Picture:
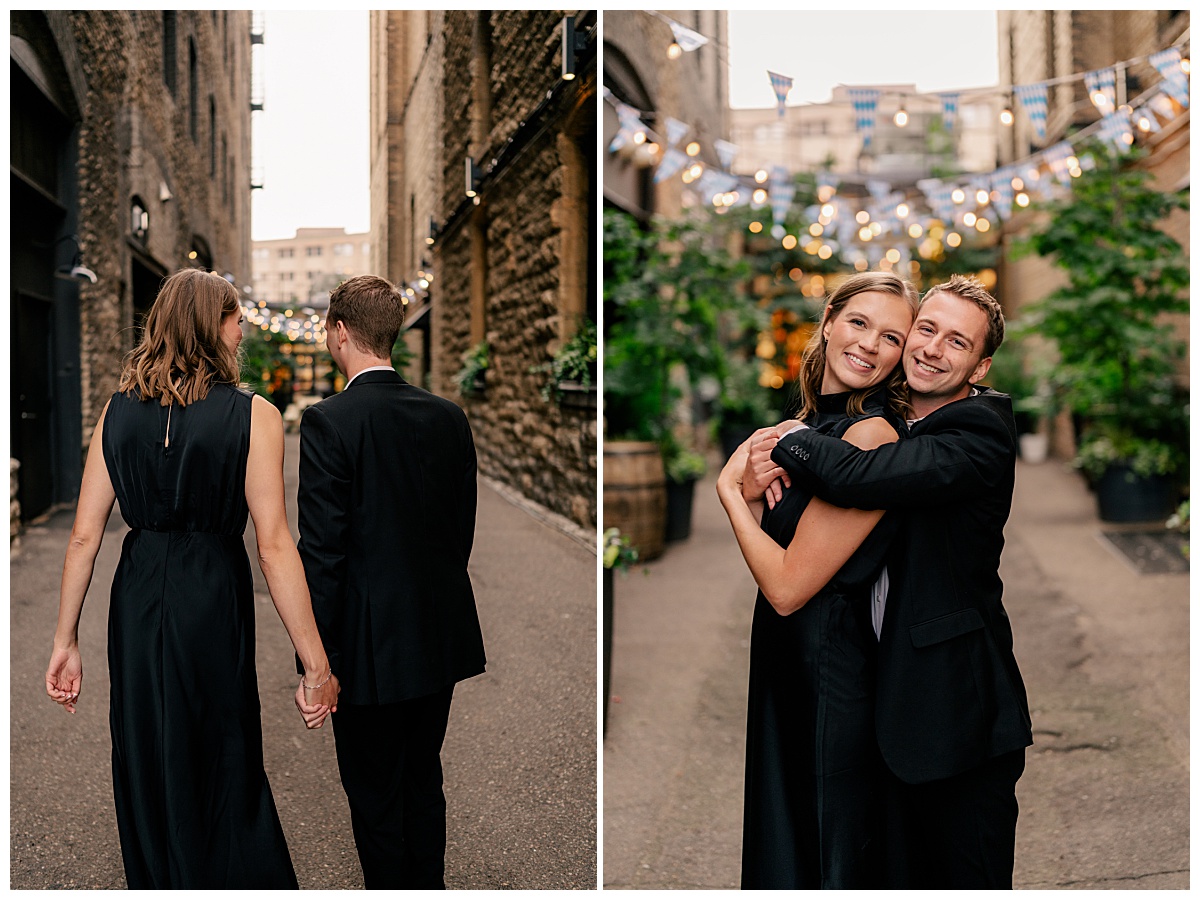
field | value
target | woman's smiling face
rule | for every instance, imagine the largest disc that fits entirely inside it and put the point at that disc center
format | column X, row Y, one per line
column 864, row 342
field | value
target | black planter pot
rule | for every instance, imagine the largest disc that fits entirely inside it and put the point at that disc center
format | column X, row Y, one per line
column 608, row 617
column 1125, row 496
column 679, row 509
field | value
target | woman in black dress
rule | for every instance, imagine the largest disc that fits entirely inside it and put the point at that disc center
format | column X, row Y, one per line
column 811, row 810
column 189, row 455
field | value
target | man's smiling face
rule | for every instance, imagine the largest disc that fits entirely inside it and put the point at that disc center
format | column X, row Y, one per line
column 944, row 353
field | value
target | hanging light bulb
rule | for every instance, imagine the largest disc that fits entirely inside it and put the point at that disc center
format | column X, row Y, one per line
column 1185, row 66
column 901, row 117
column 1006, row 117
column 693, row 149
column 958, row 196
column 674, row 51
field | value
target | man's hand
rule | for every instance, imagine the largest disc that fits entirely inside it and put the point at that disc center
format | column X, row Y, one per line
column 316, row 704
column 761, row 477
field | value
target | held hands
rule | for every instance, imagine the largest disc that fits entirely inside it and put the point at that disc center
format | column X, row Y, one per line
column 761, row 477
column 317, row 702
column 64, row 676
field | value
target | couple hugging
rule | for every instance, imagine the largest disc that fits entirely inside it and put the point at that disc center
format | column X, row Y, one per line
column 377, row 600
column 887, row 719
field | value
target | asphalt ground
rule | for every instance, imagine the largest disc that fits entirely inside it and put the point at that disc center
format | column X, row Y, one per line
column 1105, row 656
column 520, row 751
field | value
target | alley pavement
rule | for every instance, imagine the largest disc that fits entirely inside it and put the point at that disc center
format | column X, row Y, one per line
column 520, row 751
column 1104, row 652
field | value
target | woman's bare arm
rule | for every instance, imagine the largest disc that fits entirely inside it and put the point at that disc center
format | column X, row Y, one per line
column 64, row 675
column 826, row 536
column 279, row 560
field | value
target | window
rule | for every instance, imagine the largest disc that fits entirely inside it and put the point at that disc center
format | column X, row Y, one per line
column 366, row 248
column 287, row 276
column 287, row 252
column 168, row 50
column 139, row 219
column 313, row 251
column 343, row 249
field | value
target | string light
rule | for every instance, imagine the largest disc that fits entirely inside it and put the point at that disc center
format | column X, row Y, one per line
column 1006, row 117
column 901, row 117
column 760, row 176
column 958, row 196
column 693, row 149
column 674, row 51
column 981, row 196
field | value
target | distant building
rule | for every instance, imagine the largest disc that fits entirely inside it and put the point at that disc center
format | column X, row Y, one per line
column 130, row 159
column 823, row 135
column 483, row 169
column 300, row 271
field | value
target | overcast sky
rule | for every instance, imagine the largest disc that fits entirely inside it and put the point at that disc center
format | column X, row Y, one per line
column 933, row 50
column 311, row 139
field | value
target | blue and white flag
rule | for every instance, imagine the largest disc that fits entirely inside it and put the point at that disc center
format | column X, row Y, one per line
column 781, row 84
column 1102, row 89
column 726, row 152
column 1032, row 98
column 949, row 109
column 1114, row 128
column 676, row 131
column 629, row 124
column 1175, row 81
column 1003, row 189
column 865, row 101
column 673, row 160
column 1056, row 157
column 687, row 39
column 783, row 190
column 1161, row 104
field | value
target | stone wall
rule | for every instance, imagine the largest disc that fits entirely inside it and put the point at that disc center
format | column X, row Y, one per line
column 508, row 268
column 135, row 138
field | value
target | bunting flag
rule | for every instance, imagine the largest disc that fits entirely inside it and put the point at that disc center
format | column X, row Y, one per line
column 1056, row 157
column 949, row 109
column 865, row 101
column 1145, row 119
column 687, row 39
column 630, row 123
column 1175, row 81
column 1032, row 98
column 676, row 131
column 726, row 151
column 1116, row 129
column 1003, row 189
column 1161, row 104
column 783, row 189
column 1102, row 89
column 781, row 84
column 877, row 188
column 673, row 160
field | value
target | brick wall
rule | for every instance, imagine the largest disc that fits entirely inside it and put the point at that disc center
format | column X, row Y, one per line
column 514, row 253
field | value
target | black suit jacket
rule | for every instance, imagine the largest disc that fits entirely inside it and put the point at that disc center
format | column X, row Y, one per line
column 950, row 695
column 387, row 518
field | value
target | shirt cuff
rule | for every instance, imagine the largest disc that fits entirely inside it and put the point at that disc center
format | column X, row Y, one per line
column 795, row 429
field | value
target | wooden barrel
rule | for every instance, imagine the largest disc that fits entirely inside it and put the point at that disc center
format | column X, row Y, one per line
column 635, row 494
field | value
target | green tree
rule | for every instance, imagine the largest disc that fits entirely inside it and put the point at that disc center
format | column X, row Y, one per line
column 1117, row 349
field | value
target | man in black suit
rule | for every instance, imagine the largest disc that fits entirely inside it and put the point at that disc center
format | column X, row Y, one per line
column 952, row 719
column 387, row 518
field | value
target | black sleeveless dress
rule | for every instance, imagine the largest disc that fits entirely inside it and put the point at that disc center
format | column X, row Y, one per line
column 194, row 809
column 812, row 807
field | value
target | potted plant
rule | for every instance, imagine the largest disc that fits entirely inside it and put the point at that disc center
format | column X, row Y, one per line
column 619, row 555
column 684, row 468
column 471, row 377
column 572, row 371
column 1117, row 349
column 665, row 291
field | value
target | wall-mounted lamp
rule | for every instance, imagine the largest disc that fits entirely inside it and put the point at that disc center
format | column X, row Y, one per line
column 572, row 42
column 76, row 271
column 472, row 177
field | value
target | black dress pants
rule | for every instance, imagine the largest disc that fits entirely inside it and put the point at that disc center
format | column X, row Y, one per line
column 390, row 761
column 957, row 832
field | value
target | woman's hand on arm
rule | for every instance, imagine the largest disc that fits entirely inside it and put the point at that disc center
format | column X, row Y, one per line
column 64, row 675
column 826, row 537
column 277, row 554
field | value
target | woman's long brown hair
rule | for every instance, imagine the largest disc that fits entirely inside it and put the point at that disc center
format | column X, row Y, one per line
column 812, row 368
column 181, row 354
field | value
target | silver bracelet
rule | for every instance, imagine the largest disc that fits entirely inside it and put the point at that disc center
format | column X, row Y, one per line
column 313, row 687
